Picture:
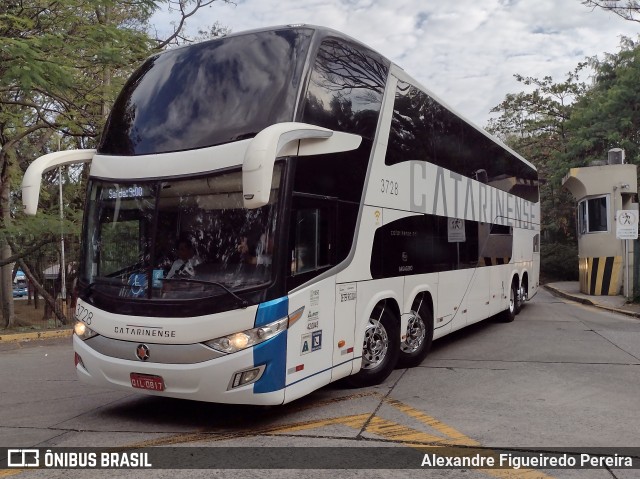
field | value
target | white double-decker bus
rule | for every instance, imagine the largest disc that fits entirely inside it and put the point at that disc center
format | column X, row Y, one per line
column 274, row 210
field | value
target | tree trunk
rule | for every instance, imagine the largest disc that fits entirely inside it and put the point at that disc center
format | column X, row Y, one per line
column 43, row 292
column 6, row 286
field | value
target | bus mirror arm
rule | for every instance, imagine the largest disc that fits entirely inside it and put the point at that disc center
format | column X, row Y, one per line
column 285, row 139
column 33, row 176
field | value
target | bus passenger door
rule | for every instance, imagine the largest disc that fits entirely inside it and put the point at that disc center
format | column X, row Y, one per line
column 311, row 252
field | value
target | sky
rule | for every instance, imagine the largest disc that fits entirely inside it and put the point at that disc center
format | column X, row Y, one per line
column 464, row 51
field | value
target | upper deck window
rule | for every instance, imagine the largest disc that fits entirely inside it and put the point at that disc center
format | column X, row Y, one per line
column 424, row 130
column 346, row 88
column 208, row 94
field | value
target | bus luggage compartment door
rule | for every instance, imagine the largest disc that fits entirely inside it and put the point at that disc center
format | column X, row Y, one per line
column 344, row 334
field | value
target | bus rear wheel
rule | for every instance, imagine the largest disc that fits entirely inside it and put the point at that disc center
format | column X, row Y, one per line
column 417, row 344
column 380, row 348
column 509, row 314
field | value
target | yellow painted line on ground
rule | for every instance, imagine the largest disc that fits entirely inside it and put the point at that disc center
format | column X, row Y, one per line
column 356, row 422
column 398, row 432
column 11, row 472
column 452, row 435
column 449, row 442
column 16, row 337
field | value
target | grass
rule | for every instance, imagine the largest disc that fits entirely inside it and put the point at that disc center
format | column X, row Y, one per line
column 28, row 318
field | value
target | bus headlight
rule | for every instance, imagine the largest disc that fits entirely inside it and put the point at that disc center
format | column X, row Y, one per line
column 83, row 331
column 238, row 341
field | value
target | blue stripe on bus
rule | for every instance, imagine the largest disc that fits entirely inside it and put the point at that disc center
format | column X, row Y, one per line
column 272, row 311
column 273, row 352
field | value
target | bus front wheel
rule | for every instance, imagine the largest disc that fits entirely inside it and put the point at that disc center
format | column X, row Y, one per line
column 381, row 347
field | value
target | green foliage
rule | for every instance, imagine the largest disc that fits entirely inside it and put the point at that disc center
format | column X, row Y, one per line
column 535, row 125
column 608, row 115
column 563, row 125
column 559, row 262
column 62, row 64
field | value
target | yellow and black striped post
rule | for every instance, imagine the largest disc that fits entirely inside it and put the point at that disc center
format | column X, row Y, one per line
column 600, row 276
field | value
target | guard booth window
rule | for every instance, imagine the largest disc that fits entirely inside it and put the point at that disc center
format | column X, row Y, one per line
column 593, row 216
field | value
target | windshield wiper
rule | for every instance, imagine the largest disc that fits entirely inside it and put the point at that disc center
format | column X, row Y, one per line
column 243, row 302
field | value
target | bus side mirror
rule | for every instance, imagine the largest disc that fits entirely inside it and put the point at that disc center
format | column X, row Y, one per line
column 286, row 139
column 33, row 175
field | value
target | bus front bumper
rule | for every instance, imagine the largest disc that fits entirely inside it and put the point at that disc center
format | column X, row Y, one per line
column 209, row 381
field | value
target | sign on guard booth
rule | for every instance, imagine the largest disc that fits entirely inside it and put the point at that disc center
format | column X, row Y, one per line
column 627, row 224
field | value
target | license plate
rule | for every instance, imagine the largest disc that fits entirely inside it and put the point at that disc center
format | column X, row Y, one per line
column 147, row 381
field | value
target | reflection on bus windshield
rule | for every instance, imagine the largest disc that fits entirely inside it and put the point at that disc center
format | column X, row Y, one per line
column 177, row 239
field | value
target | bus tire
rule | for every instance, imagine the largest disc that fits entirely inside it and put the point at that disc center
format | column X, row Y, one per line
column 509, row 314
column 524, row 293
column 380, row 350
column 416, row 346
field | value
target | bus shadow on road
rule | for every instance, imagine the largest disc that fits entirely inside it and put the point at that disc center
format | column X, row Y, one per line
column 486, row 327
column 188, row 415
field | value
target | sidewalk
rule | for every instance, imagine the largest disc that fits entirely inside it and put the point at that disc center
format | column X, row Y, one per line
column 571, row 290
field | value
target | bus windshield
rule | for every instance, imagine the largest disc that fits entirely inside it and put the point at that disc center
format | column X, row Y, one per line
column 177, row 239
column 208, row 94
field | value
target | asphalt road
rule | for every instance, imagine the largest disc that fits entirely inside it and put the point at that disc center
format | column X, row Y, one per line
column 562, row 375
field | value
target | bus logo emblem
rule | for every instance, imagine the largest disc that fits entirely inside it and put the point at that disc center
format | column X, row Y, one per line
column 142, row 352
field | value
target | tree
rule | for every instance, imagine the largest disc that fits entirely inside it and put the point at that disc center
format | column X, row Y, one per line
column 61, row 64
column 560, row 126
column 535, row 124
column 629, row 9
column 608, row 114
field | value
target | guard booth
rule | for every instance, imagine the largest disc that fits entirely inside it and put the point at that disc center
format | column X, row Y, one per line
column 607, row 217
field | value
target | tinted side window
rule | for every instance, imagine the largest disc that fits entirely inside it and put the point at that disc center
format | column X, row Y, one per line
column 424, row 130
column 340, row 176
column 424, row 244
column 346, row 88
column 312, row 233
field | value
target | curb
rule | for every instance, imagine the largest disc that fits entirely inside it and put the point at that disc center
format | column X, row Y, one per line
column 588, row 302
column 20, row 337
column 577, row 299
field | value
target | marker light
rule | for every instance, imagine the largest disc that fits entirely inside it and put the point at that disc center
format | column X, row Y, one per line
column 83, row 331
column 244, row 339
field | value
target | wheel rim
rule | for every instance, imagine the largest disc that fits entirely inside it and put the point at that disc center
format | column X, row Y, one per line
column 376, row 344
column 512, row 300
column 416, row 332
